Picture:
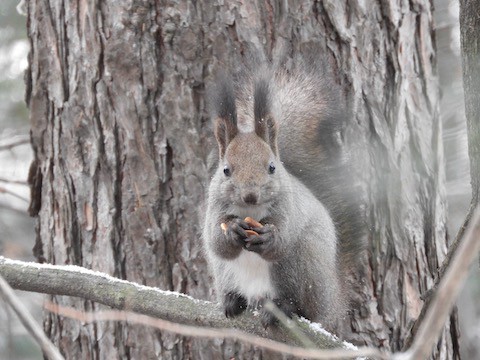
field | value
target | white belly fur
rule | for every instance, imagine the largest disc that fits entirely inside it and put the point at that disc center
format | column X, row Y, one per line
column 251, row 276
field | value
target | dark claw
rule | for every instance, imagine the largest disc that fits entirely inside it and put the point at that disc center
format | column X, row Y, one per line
column 264, row 229
column 259, row 243
column 254, row 243
column 262, row 243
column 236, row 231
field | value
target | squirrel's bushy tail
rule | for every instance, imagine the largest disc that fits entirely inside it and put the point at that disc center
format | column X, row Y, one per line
column 312, row 115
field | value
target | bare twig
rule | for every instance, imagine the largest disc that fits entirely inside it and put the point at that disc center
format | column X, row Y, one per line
column 428, row 297
column 451, row 284
column 12, row 193
column 211, row 333
column 16, row 182
column 28, row 321
column 20, row 140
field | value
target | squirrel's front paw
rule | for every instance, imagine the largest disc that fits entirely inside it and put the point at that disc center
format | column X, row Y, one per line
column 236, row 231
column 263, row 243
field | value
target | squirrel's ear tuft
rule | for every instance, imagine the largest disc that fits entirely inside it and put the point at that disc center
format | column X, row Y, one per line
column 224, row 112
column 265, row 125
column 225, row 131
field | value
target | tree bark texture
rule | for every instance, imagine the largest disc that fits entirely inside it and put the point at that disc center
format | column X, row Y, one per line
column 121, row 136
column 470, row 40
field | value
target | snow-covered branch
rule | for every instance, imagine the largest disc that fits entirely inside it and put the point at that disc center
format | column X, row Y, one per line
column 171, row 306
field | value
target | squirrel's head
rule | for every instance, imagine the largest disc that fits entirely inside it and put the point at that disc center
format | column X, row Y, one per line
column 248, row 162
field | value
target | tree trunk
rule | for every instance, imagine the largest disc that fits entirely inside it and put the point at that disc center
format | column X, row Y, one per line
column 470, row 39
column 121, row 140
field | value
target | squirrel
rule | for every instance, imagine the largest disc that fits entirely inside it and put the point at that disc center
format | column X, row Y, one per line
column 280, row 163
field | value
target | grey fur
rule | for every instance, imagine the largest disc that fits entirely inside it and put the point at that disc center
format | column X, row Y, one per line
column 293, row 106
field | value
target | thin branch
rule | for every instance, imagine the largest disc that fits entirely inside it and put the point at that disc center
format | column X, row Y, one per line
column 442, row 303
column 16, row 182
column 28, row 321
column 12, row 193
column 454, row 246
column 211, row 333
column 429, row 295
column 21, row 140
column 124, row 295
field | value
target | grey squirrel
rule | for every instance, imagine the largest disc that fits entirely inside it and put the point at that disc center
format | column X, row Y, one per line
column 279, row 162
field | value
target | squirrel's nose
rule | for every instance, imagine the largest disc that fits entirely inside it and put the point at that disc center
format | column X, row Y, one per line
column 250, row 198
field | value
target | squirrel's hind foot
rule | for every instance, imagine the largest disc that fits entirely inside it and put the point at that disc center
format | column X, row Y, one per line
column 234, row 304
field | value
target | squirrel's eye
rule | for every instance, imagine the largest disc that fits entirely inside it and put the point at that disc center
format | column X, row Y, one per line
column 271, row 168
column 227, row 171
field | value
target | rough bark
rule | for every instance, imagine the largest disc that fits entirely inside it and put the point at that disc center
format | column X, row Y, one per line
column 121, row 139
column 470, row 40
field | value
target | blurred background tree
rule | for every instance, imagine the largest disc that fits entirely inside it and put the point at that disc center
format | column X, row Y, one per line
column 17, row 233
